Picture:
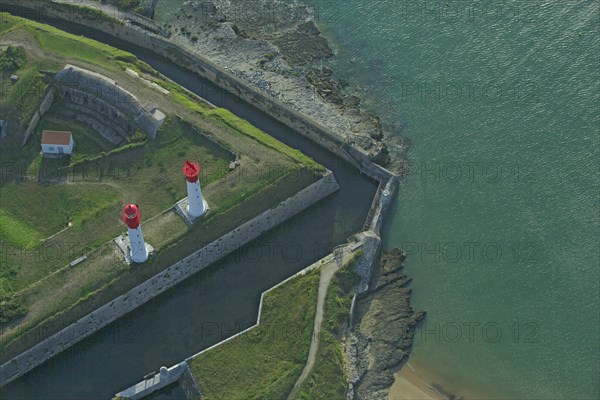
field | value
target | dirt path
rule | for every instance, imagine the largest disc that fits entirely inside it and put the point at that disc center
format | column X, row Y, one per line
column 327, row 272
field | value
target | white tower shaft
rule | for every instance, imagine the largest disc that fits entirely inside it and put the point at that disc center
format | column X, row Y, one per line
column 139, row 253
column 196, row 205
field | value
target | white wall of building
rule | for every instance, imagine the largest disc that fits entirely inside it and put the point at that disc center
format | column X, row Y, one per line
column 56, row 148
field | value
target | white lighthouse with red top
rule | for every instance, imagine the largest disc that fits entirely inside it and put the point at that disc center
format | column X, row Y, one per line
column 131, row 217
column 197, row 206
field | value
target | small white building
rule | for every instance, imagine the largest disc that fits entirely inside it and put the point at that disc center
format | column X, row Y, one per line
column 57, row 143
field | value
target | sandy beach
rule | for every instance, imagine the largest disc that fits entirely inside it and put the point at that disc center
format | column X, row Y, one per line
column 408, row 385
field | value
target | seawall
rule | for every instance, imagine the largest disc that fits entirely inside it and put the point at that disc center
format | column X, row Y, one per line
column 166, row 279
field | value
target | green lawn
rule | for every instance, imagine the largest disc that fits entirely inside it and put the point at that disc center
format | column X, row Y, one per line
column 25, row 95
column 7, row 21
column 48, row 208
column 93, row 192
column 265, row 362
column 16, row 232
column 250, row 130
column 76, row 47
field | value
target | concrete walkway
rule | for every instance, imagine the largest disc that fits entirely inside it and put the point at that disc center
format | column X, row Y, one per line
column 342, row 256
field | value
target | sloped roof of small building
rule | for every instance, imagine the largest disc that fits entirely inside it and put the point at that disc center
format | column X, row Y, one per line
column 56, row 137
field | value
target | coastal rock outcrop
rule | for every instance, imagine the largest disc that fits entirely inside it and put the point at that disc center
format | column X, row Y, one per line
column 382, row 336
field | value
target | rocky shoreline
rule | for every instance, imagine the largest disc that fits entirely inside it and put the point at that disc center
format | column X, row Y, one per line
column 278, row 48
column 380, row 341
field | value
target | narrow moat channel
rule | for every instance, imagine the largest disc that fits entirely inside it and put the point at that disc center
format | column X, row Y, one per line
column 215, row 303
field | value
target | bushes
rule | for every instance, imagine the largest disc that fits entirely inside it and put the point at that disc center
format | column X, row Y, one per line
column 10, row 309
column 13, row 58
column 127, row 57
column 137, row 137
column 28, row 94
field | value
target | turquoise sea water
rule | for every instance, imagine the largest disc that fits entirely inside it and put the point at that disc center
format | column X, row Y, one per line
column 500, row 213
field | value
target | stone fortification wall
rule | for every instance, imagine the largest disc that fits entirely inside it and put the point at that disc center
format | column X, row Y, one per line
column 41, row 110
column 176, row 273
column 381, row 204
column 100, row 95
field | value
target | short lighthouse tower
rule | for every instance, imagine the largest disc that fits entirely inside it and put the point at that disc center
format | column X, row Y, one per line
column 197, row 206
column 131, row 217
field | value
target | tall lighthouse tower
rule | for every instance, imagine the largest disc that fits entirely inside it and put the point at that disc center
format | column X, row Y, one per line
column 197, row 205
column 131, row 217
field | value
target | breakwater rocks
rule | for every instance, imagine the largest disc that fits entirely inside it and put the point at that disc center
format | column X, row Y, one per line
column 384, row 323
column 166, row 279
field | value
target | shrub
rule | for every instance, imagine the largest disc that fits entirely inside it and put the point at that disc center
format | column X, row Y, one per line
column 10, row 309
column 127, row 57
column 137, row 137
column 13, row 58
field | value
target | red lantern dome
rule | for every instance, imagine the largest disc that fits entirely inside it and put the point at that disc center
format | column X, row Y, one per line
column 191, row 170
column 132, row 215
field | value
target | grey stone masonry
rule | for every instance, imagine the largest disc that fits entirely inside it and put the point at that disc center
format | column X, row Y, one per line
column 103, row 96
column 123, row 244
column 166, row 279
column 43, row 107
column 164, row 378
column 179, row 373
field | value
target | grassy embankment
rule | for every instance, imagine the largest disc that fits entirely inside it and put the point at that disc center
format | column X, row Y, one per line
column 33, row 274
column 327, row 380
column 264, row 363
